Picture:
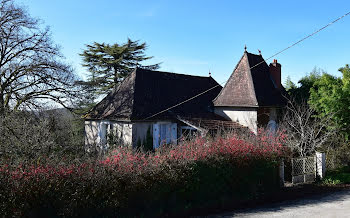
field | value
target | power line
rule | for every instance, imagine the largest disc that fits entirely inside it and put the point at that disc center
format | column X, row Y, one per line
column 281, row 51
column 189, row 99
column 306, row 37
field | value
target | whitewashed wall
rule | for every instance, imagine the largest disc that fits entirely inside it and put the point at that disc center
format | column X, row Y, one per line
column 91, row 133
column 139, row 131
column 124, row 132
column 245, row 116
column 95, row 135
column 128, row 133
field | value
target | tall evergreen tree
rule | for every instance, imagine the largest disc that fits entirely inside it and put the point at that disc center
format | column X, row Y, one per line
column 109, row 64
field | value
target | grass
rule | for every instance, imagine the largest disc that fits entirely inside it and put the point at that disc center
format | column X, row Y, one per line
column 337, row 176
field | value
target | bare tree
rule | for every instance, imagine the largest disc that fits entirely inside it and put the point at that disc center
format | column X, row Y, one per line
column 31, row 67
column 305, row 131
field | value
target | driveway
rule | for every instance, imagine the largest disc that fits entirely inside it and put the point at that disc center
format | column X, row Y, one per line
column 335, row 204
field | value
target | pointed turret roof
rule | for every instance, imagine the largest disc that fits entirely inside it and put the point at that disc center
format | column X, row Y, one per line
column 250, row 85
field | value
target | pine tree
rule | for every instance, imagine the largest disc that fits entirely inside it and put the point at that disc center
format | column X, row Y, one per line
column 109, row 64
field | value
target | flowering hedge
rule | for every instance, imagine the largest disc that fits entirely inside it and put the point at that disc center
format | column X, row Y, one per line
column 194, row 174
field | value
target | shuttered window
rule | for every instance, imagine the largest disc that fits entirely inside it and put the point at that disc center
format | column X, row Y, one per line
column 164, row 133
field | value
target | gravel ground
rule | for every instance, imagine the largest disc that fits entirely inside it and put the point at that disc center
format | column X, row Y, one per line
column 336, row 204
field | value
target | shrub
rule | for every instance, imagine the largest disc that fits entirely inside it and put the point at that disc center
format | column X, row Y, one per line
column 337, row 176
column 33, row 136
column 194, row 174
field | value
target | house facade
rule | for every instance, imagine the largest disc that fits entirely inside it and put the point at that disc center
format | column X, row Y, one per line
column 158, row 102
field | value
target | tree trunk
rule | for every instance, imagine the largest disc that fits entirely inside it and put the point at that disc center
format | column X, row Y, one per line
column 2, row 105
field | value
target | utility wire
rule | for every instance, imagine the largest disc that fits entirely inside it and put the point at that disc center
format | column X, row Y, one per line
column 306, row 37
column 281, row 51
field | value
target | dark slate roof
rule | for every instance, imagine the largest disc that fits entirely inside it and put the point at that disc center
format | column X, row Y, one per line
column 118, row 103
column 250, row 85
column 146, row 92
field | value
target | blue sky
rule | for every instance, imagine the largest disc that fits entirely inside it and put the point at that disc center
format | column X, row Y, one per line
column 193, row 37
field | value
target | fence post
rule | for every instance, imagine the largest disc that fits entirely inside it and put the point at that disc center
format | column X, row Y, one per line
column 315, row 167
column 321, row 164
column 281, row 170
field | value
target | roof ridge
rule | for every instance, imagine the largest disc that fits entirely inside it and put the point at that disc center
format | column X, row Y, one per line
column 244, row 66
column 233, row 72
column 253, row 54
column 134, row 90
column 182, row 74
column 251, row 79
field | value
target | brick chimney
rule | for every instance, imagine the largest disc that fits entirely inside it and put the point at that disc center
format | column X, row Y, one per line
column 275, row 71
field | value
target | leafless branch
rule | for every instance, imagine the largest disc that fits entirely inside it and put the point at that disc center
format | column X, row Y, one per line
column 31, row 66
column 305, row 130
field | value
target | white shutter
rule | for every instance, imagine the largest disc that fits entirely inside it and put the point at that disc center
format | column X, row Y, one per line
column 156, row 135
column 162, row 134
column 168, row 133
column 103, row 133
column 173, row 130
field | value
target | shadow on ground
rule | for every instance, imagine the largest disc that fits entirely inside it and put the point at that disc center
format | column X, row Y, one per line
column 288, row 197
column 308, row 200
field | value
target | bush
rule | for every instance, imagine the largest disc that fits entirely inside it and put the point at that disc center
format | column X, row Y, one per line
column 34, row 136
column 24, row 135
column 337, row 176
column 194, row 174
column 337, row 153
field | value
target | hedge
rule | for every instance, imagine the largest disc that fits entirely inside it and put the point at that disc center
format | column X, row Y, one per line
column 170, row 181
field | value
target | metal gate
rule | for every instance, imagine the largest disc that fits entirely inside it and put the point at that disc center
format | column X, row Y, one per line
column 303, row 169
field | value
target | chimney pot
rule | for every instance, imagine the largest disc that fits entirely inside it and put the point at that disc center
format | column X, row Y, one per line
column 275, row 71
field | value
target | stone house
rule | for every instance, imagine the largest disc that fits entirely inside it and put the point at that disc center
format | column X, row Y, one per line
column 159, row 102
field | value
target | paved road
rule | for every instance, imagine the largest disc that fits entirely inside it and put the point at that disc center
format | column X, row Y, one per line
column 335, row 204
